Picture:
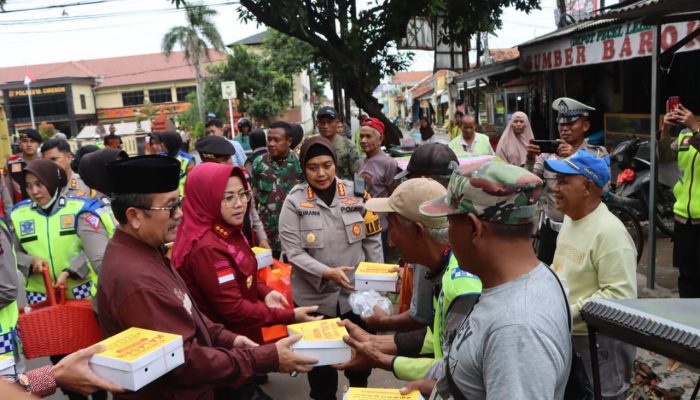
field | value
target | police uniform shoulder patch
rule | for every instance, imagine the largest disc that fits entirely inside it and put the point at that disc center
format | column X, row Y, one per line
column 310, row 193
column 27, row 227
column 93, row 221
column 73, row 184
column 67, row 221
column 341, row 189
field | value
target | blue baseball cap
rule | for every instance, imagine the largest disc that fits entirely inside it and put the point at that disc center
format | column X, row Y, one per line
column 583, row 163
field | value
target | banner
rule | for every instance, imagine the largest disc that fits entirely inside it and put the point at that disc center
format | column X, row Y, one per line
column 614, row 43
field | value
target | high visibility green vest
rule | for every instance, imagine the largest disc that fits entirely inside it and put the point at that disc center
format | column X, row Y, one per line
column 103, row 210
column 687, row 189
column 9, row 313
column 455, row 284
column 185, row 160
column 53, row 238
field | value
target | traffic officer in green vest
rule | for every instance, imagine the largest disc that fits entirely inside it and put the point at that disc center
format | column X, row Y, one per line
column 423, row 240
column 9, row 290
column 46, row 228
column 470, row 140
column 686, row 235
column 93, row 170
column 171, row 143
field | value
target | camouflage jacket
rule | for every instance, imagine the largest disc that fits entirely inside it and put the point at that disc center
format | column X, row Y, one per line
column 348, row 160
column 272, row 180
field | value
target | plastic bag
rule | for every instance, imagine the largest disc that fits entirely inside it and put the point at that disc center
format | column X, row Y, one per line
column 363, row 303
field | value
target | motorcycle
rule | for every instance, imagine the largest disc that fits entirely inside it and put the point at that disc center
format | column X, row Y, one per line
column 631, row 158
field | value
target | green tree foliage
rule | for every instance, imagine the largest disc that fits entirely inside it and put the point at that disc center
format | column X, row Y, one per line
column 359, row 45
column 292, row 56
column 263, row 90
column 195, row 39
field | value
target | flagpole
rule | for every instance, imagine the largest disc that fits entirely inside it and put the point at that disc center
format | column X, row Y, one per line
column 31, row 107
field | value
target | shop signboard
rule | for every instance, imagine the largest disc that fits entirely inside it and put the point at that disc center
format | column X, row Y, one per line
column 614, row 43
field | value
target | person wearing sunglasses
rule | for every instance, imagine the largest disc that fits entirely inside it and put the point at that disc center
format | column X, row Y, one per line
column 214, row 259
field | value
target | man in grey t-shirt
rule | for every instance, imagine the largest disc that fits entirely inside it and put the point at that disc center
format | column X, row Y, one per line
column 516, row 342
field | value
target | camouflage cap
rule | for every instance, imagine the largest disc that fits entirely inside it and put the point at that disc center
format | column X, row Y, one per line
column 491, row 189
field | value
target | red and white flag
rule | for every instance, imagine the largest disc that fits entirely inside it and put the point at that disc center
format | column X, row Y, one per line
column 28, row 77
column 225, row 275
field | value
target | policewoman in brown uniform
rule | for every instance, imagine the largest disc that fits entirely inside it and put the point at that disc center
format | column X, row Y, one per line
column 325, row 233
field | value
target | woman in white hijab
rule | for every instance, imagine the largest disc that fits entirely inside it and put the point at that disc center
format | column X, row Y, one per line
column 512, row 147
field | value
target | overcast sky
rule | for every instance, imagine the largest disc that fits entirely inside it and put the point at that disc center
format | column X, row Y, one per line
column 128, row 27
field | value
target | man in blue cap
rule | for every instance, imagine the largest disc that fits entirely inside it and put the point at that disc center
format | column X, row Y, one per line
column 595, row 258
column 573, row 125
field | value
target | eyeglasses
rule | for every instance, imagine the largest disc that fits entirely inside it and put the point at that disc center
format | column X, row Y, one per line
column 171, row 209
column 231, row 199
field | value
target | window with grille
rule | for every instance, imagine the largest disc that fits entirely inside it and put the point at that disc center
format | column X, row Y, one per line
column 160, row 95
column 132, row 98
column 182, row 92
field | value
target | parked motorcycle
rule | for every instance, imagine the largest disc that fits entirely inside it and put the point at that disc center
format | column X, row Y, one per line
column 631, row 158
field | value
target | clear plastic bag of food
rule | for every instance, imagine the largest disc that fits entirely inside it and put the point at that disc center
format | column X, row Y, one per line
column 363, row 303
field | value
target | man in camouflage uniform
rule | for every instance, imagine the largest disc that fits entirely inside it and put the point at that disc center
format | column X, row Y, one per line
column 348, row 159
column 274, row 175
column 521, row 319
column 573, row 126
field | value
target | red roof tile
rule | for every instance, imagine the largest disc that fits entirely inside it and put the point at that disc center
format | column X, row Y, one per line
column 116, row 71
column 409, row 76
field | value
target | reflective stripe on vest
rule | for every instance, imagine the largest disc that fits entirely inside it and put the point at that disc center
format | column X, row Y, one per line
column 455, row 284
column 687, row 189
column 53, row 238
column 185, row 160
column 9, row 313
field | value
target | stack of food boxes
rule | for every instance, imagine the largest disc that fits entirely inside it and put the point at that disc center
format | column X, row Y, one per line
column 322, row 340
column 7, row 364
column 380, row 394
column 264, row 256
column 137, row 357
column 380, row 277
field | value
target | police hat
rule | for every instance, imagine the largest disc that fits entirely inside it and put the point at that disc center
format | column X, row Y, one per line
column 144, row 174
column 30, row 133
column 327, row 112
column 211, row 147
column 570, row 110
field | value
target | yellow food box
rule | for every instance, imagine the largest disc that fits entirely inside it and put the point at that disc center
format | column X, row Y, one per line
column 377, row 276
column 380, row 394
column 263, row 255
column 7, row 364
column 137, row 357
column 322, row 340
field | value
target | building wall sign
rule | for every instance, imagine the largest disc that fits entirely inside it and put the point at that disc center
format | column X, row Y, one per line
column 614, row 43
column 36, row 92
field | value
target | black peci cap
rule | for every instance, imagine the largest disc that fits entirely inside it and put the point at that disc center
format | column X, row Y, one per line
column 431, row 159
column 144, row 174
column 210, row 147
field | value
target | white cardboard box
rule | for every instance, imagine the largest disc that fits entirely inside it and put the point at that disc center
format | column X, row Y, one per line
column 7, row 364
column 379, row 394
column 263, row 255
column 137, row 357
column 376, row 276
column 322, row 340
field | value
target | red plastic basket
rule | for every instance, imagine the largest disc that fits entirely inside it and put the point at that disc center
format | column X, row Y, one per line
column 55, row 327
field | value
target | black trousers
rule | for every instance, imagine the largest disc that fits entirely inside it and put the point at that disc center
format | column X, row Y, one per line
column 99, row 395
column 323, row 381
column 547, row 244
column 686, row 257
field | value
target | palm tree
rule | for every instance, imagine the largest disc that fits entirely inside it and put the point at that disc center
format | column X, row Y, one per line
column 195, row 39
